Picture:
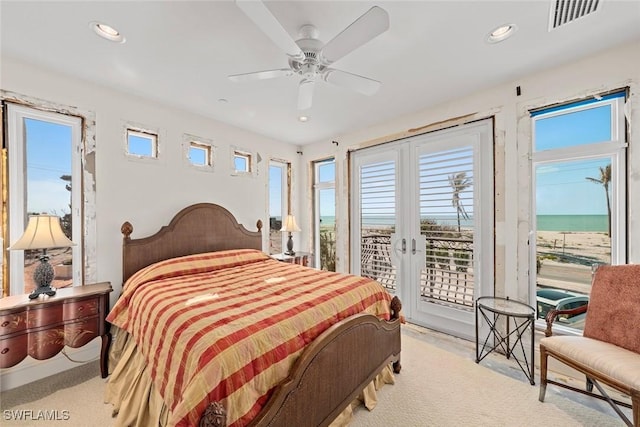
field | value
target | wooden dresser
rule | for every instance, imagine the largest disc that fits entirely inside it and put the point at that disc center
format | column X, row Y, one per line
column 42, row 327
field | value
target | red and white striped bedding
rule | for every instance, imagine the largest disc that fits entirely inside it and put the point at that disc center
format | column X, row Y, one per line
column 227, row 326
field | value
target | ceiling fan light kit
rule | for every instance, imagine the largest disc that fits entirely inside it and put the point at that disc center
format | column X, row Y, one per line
column 309, row 58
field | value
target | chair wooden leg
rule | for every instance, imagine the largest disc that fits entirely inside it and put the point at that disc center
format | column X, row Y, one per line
column 543, row 373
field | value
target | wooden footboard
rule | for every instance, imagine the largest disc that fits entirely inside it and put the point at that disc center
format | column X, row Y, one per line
column 330, row 373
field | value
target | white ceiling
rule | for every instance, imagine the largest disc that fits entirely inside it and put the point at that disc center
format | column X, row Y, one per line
column 181, row 52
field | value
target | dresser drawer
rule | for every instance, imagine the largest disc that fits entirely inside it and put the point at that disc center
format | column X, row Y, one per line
column 77, row 334
column 44, row 315
column 13, row 350
column 46, row 343
column 10, row 323
column 81, row 308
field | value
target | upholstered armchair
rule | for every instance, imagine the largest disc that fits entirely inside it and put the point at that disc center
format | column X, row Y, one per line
column 608, row 352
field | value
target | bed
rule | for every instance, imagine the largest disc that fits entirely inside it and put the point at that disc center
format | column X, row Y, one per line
column 213, row 332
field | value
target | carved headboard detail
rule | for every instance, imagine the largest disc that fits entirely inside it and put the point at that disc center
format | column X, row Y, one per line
column 203, row 227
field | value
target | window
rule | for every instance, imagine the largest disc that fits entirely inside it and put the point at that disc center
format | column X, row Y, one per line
column 278, row 202
column 242, row 162
column 579, row 175
column 198, row 152
column 142, row 144
column 44, row 163
column 325, row 214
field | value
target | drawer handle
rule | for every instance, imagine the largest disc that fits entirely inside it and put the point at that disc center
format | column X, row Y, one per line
column 80, row 308
column 4, row 351
column 5, row 323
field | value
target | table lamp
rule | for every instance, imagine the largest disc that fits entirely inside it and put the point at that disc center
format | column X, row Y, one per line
column 290, row 226
column 43, row 232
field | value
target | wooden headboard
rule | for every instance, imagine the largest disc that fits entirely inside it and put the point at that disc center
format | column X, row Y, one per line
column 203, row 227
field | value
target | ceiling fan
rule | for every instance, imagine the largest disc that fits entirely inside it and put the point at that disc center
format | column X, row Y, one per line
column 309, row 58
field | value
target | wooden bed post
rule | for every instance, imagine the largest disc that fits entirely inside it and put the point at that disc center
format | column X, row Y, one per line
column 214, row 416
column 396, row 307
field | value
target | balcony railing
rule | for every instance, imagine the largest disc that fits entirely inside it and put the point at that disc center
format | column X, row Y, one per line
column 447, row 279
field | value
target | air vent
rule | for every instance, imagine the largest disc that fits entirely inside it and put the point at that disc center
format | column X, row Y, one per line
column 566, row 11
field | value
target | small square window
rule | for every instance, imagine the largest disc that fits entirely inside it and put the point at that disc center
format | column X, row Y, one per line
column 200, row 154
column 142, row 144
column 242, row 162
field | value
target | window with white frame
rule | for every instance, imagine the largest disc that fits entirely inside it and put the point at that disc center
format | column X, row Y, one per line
column 198, row 152
column 324, row 196
column 142, row 143
column 242, row 162
column 278, row 202
column 44, row 162
column 579, row 205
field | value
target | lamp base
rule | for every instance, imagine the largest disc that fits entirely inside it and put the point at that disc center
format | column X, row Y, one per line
column 43, row 275
column 289, row 250
column 42, row 290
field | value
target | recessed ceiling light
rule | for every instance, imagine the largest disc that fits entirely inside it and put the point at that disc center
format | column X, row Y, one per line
column 303, row 118
column 501, row 33
column 107, row 32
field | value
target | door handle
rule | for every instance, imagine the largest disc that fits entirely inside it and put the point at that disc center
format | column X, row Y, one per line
column 404, row 246
column 413, row 246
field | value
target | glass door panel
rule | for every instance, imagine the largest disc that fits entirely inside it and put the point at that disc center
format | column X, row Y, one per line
column 376, row 219
column 447, row 224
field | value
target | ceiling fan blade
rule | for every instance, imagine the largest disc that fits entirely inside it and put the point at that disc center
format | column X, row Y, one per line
column 363, row 85
column 262, row 17
column 305, row 94
column 371, row 24
column 261, row 75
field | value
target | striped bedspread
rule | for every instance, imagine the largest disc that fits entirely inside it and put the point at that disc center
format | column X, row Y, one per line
column 227, row 326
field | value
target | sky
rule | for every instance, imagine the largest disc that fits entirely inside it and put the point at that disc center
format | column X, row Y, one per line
column 48, row 158
column 562, row 188
column 275, row 191
column 327, row 173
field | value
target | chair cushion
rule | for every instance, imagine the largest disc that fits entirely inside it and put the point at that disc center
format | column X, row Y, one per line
column 609, row 360
column 614, row 306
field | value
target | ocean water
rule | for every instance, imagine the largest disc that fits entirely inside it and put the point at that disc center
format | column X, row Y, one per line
column 590, row 223
column 593, row 223
column 386, row 220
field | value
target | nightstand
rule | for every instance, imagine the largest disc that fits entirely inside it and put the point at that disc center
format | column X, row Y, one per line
column 41, row 327
column 302, row 258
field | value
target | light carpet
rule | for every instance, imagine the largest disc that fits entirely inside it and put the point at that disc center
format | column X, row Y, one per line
column 435, row 388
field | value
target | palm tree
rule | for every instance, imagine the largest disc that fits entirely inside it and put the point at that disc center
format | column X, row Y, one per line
column 459, row 182
column 605, row 179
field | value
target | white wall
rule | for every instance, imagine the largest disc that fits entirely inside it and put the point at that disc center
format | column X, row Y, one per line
column 609, row 70
column 147, row 193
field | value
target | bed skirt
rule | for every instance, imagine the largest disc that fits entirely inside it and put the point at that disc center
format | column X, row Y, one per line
column 136, row 402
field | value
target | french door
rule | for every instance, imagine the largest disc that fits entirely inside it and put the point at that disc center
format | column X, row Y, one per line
column 422, row 212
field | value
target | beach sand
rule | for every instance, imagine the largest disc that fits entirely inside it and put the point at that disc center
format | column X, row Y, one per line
column 568, row 258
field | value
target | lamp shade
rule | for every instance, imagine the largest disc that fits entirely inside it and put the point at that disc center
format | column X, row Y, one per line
column 290, row 224
column 43, row 232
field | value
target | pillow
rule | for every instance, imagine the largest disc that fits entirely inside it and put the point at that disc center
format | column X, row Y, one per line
column 195, row 264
